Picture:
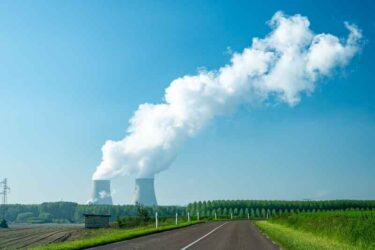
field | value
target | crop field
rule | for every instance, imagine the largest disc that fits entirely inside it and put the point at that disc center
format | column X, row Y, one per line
column 27, row 236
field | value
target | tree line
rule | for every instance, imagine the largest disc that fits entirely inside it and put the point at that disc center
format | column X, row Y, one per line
column 70, row 212
column 268, row 208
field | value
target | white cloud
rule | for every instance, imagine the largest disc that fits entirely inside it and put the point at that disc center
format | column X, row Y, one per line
column 326, row 52
column 285, row 64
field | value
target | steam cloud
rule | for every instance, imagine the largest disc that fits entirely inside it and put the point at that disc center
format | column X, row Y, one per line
column 281, row 67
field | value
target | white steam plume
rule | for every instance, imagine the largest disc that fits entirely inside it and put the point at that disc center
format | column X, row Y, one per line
column 280, row 67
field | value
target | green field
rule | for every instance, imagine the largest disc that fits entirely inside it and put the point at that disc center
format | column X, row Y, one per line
column 324, row 230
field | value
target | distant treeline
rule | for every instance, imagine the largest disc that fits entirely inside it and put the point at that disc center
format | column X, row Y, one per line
column 70, row 212
column 264, row 208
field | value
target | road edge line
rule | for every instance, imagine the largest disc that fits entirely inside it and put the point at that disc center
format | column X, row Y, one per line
column 204, row 236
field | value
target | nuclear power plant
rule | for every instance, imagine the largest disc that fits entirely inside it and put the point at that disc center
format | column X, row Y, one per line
column 101, row 192
column 145, row 192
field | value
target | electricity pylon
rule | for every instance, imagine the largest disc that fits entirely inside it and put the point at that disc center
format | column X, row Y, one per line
column 4, row 192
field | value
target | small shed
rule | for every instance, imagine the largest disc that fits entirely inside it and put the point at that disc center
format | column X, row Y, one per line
column 96, row 220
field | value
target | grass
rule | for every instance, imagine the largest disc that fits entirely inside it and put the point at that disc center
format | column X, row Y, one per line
column 292, row 239
column 105, row 236
column 323, row 230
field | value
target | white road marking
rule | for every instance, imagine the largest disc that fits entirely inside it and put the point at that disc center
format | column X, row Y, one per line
column 204, row 236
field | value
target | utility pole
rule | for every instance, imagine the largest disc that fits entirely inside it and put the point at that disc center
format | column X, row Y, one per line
column 156, row 220
column 4, row 192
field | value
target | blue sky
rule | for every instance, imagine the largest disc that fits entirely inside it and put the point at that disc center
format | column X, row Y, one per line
column 73, row 72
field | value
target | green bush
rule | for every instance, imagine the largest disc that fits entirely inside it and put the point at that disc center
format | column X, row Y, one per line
column 59, row 210
column 61, row 221
column 45, row 217
column 3, row 224
column 35, row 220
column 25, row 217
column 141, row 219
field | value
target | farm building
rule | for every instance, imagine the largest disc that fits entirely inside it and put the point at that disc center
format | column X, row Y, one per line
column 96, row 220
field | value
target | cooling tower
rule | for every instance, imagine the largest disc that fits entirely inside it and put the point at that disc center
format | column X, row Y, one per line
column 145, row 192
column 101, row 193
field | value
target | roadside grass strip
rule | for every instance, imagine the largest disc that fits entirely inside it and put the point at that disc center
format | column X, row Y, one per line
column 292, row 239
column 106, row 236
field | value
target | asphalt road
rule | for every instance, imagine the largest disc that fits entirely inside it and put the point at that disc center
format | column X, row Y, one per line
column 233, row 235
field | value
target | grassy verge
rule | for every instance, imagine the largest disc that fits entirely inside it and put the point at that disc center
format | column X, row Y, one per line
column 355, row 228
column 292, row 239
column 323, row 230
column 106, row 236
